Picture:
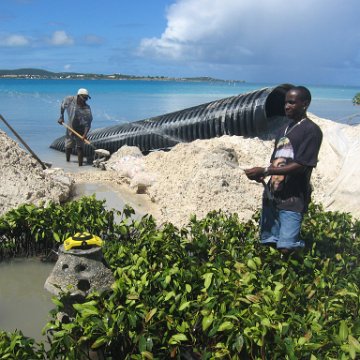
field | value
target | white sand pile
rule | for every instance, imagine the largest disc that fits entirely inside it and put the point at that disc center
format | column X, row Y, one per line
column 22, row 179
column 193, row 178
column 206, row 175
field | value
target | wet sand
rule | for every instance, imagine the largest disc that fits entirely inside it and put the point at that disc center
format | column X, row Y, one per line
column 115, row 198
column 90, row 180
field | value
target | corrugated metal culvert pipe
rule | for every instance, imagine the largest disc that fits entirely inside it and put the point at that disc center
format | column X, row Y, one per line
column 246, row 114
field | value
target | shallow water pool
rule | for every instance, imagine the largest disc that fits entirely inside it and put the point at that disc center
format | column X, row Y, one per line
column 24, row 303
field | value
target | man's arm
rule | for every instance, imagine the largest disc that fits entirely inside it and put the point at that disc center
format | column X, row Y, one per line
column 259, row 173
column 61, row 118
column 65, row 103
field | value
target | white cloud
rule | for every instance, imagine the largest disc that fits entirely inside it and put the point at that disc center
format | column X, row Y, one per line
column 14, row 41
column 209, row 30
column 61, row 38
column 267, row 34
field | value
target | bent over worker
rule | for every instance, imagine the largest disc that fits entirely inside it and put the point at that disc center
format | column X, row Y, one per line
column 79, row 119
column 293, row 159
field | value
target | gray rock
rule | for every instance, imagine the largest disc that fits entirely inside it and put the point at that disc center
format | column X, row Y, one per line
column 79, row 272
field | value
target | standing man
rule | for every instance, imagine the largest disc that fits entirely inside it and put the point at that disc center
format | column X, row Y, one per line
column 79, row 119
column 295, row 155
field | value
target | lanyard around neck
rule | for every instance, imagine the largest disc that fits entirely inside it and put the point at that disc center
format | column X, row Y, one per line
column 298, row 123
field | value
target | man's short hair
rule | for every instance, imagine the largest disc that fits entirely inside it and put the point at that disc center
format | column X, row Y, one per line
column 304, row 93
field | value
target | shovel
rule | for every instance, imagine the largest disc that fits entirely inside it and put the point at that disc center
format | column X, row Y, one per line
column 102, row 152
column 25, row 144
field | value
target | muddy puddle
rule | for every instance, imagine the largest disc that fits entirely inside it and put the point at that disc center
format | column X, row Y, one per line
column 24, row 303
column 114, row 198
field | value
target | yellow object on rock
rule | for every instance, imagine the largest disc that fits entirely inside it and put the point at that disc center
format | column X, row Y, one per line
column 82, row 240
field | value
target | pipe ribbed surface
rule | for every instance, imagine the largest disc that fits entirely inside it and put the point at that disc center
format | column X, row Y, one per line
column 246, row 114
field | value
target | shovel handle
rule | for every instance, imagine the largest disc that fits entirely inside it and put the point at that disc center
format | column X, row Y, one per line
column 24, row 143
column 86, row 141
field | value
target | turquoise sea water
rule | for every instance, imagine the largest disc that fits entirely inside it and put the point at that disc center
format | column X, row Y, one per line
column 31, row 106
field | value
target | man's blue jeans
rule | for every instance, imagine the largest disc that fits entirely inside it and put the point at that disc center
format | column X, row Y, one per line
column 280, row 228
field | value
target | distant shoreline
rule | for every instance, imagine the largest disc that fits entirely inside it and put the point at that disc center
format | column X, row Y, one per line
column 43, row 74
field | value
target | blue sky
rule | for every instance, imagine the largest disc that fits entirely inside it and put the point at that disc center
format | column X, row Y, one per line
column 273, row 41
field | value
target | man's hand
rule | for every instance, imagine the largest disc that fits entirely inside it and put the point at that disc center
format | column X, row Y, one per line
column 255, row 173
column 61, row 120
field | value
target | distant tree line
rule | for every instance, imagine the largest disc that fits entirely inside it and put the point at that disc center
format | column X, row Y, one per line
column 44, row 74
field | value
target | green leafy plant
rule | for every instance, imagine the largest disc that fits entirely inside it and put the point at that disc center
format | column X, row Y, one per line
column 210, row 291
column 356, row 99
column 30, row 230
column 17, row 346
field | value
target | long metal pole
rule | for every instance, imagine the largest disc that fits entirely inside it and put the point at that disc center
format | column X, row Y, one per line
column 24, row 143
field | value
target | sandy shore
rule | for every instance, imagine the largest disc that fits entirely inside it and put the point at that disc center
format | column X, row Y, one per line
column 205, row 175
column 192, row 178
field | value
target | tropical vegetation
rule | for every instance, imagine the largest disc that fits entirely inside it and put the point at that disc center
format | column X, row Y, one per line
column 356, row 99
column 205, row 291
